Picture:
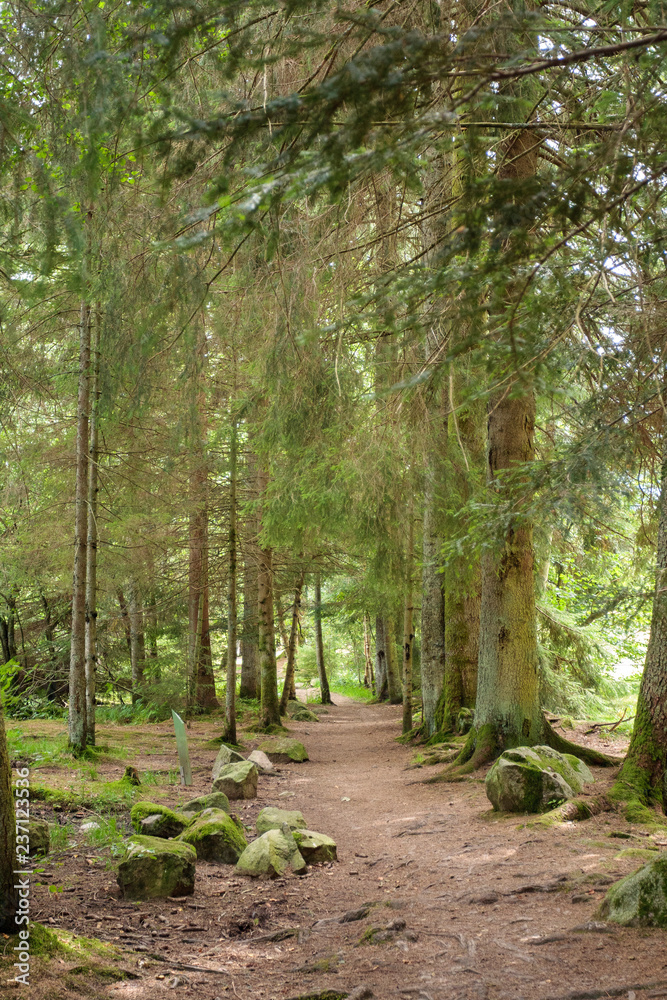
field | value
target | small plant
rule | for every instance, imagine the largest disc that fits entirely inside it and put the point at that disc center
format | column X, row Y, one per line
column 109, row 832
column 61, row 836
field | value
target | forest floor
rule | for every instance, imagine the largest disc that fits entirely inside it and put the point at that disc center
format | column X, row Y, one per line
column 467, row 904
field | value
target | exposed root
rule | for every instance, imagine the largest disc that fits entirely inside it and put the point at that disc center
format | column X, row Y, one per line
column 480, row 748
column 558, row 742
column 575, row 810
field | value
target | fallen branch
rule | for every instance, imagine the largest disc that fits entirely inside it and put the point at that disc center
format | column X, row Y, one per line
column 612, row 725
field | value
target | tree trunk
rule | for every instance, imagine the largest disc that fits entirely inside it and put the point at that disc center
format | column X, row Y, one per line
column 230, row 695
column 281, row 622
column 125, row 619
column 289, row 687
column 381, row 690
column 394, row 689
column 8, row 860
column 325, row 694
column 433, row 606
column 91, row 538
column 249, row 642
column 137, row 642
column 643, row 775
column 77, row 667
column 507, row 711
column 270, row 710
column 4, row 639
column 369, row 679
column 201, row 679
column 151, row 614
column 408, row 635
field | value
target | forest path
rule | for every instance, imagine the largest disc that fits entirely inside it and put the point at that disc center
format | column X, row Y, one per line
column 461, row 897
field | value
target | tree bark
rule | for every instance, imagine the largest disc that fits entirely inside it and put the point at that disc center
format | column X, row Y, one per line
column 230, row 695
column 289, row 687
column 91, row 537
column 433, row 604
column 77, row 667
column 643, row 774
column 137, row 641
column 125, row 619
column 369, row 679
column 270, row 710
column 325, row 694
column 394, row 689
column 381, row 689
column 249, row 643
column 8, row 861
column 408, row 635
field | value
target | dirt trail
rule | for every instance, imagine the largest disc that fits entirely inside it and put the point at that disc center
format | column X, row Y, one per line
column 462, row 899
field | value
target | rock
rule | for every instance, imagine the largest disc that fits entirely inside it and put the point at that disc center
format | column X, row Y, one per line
column 534, row 779
column 315, row 847
column 214, row 800
column 300, row 713
column 238, row 780
column 89, row 826
column 225, row 756
column 271, row 855
column 40, row 838
column 273, row 819
column 154, row 820
column 284, row 750
column 155, row 867
column 640, row 898
column 262, row 762
column 215, row 837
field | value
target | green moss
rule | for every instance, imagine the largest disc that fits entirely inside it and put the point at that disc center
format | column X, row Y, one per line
column 174, row 823
column 642, row 853
column 216, row 836
column 636, row 812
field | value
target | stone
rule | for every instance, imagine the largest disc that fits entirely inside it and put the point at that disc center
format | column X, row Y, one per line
column 153, row 867
column 40, row 838
column 271, row 855
column 534, row 779
column 154, row 820
column 315, row 848
column 214, row 800
column 639, row 899
column 89, row 826
column 225, row 756
column 273, row 819
column 215, row 836
column 284, row 750
column 262, row 762
column 238, row 780
column 300, row 713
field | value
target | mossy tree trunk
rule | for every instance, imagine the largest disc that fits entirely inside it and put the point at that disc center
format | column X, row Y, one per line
column 408, row 634
column 325, row 694
column 289, row 687
column 137, row 641
column 77, row 667
column 369, row 677
column 250, row 683
column 643, row 774
column 8, row 894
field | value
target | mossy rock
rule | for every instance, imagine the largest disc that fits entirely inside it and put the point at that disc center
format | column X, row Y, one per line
column 271, row 855
column 155, row 820
column 298, row 711
column 316, row 848
column 40, row 838
column 153, row 867
column 214, row 800
column 639, row 899
column 215, row 837
column 284, row 751
column 534, row 779
column 464, row 720
column 225, row 756
column 273, row 819
column 238, row 780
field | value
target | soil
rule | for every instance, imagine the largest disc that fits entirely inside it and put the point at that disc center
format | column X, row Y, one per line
column 453, row 901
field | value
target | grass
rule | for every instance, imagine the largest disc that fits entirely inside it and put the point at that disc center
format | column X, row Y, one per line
column 351, row 689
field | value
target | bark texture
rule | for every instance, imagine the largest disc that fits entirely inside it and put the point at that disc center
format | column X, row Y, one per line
column 77, row 665
column 137, row 641
column 270, row 710
column 250, row 685
column 643, row 774
column 381, row 690
column 230, row 694
column 408, row 634
column 91, row 539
